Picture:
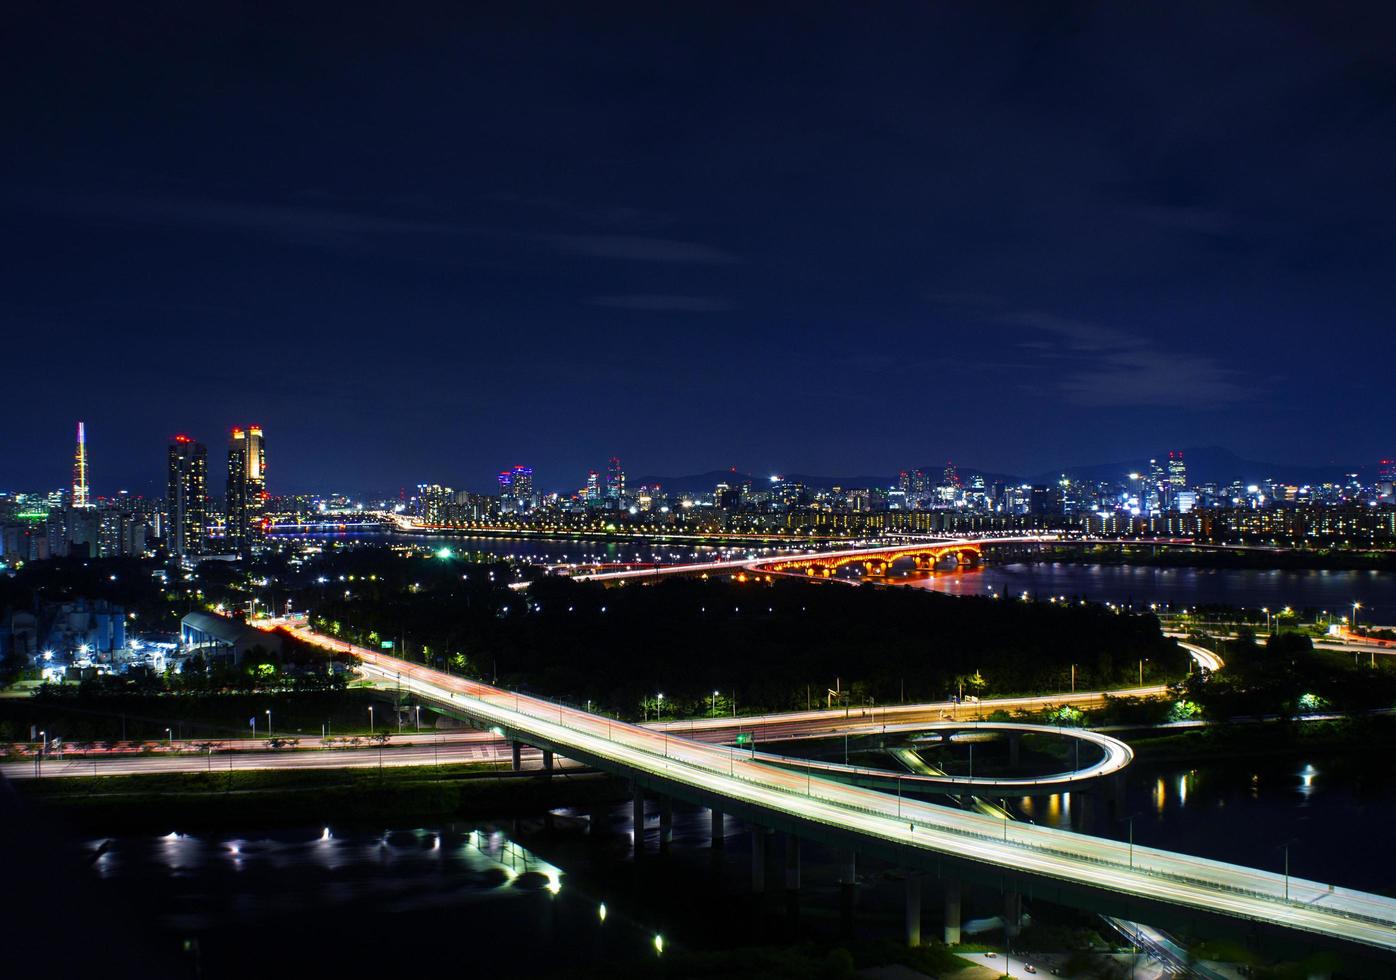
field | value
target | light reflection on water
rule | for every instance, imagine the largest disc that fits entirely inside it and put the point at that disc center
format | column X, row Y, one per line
column 1244, row 812
column 1141, row 586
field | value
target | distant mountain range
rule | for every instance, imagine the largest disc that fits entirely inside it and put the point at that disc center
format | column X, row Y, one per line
column 1206, row 464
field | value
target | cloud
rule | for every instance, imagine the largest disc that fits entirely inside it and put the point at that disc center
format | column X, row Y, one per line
column 315, row 225
column 640, row 249
column 663, row 304
column 1151, row 377
column 1101, row 366
column 1080, row 336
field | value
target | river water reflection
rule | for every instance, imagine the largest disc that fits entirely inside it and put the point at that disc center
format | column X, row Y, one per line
column 1140, row 586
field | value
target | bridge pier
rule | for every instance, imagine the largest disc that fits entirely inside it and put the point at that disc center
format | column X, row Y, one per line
column 719, row 830
column 952, row 911
column 666, row 822
column 913, row 909
column 548, row 760
column 792, row 875
column 758, row 860
column 516, row 748
column 638, row 818
column 848, row 887
column 1012, row 914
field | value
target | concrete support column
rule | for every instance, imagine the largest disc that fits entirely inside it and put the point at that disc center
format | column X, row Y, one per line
column 758, row 860
column 666, row 822
column 792, row 863
column 547, row 760
column 1012, row 914
column 517, row 749
column 792, row 875
column 719, row 833
column 952, row 910
column 913, row 909
column 848, row 887
column 638, row 817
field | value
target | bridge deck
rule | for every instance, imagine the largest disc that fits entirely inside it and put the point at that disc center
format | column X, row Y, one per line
column 910, row 832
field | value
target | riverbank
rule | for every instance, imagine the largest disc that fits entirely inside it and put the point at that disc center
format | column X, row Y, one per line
column 1184, row 556
column 1265, row 739
column 214, row 800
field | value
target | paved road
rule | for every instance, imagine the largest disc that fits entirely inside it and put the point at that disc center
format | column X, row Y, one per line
column 479, row 748
column 725, row 773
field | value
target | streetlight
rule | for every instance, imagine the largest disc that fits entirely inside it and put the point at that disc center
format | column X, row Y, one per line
column 268, row 723
column 370, row 719
column 1266, row 611
column 167, row 736
column 418, row 710
column 1355, row 606
column 714, row 704
column 659, row 707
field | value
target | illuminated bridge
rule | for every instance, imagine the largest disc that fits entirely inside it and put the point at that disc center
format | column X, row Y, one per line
column 930, row 841
column 876, row 559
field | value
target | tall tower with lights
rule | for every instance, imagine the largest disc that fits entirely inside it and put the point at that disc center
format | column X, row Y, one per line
column 187, row 497
column 247, row 488
column 81, row 496
column 615, row 479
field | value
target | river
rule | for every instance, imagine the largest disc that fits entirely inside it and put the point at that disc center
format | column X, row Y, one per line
column 1137, row 586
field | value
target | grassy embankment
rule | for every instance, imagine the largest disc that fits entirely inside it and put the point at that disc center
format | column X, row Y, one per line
column 155, row 802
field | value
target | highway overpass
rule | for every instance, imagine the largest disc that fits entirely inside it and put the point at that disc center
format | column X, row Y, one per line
column 1139, row 883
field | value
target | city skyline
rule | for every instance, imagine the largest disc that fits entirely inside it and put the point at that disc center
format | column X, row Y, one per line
column 484, row 478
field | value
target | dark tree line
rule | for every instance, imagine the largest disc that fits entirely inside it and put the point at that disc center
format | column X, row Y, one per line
column 769, row 646
column 1287, row 676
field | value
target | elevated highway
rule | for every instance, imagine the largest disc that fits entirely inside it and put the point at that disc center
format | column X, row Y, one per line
column 1142, row 884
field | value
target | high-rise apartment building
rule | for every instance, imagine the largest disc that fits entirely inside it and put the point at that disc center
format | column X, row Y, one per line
column 1177, row 474
column 80, row 491
column 187, row 499
column 615, row 479
column 522, row 482
column 247, row 488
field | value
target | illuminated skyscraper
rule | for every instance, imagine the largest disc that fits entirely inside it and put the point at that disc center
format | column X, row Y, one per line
column 187, row 498
column 522, row 482
column 1177, row 473
column 247, row 488
column 80, row 492
column 593, row 490
column 615, row 479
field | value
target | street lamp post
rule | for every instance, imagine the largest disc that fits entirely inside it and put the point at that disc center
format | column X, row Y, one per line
column 1266, row 611
column 659, row 707
column 715, row 704
column 370, row 719
column 268, row 723
column 1355, row 606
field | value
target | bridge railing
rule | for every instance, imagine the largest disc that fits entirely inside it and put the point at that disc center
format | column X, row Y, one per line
column 735, row 764
column 637, row 748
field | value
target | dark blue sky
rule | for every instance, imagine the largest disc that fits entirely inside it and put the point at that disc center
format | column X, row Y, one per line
column 816, row 238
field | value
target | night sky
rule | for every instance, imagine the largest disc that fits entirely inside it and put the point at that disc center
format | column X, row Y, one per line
column 813, row 238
